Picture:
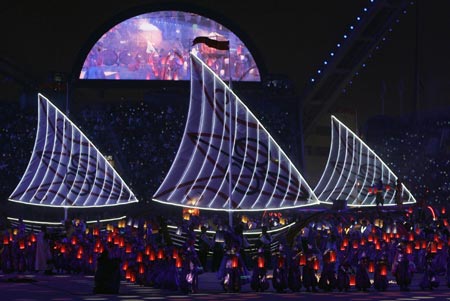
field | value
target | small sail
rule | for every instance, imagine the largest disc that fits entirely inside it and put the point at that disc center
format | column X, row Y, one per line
column 352, row 171
column 257, row 175
column 66, row 169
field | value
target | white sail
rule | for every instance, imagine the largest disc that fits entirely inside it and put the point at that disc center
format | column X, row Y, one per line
column 219, row 124
column 353, row 169
column 66, row 169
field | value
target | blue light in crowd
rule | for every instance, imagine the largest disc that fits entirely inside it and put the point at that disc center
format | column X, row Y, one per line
column 358, row 18
column 345, row 36
column 313, row 80
column 338, row 45
column 325, row 62
column 319, row 71
column 351, row 27
column 365, row 9
column 332, row 53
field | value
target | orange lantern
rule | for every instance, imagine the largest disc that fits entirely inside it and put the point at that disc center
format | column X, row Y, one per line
column 21, row 244
column 139, row 257
column 121, row 242
column 132, row 277
column 95, row 231
column 363, row 242
column 234, row 261
column 383, row 270
column 151, row 256
column 90, row 259
column 443, row 210
column 178, row 262
column 74, row 240
column 128, row 274
column 302, row 260
column 6, row 240
column 147, row 250
column 424, row 244
column 417, row 245
column 160, row 254
column 332, row 256
column 371, row 267
column 411, row 236
column 409, row 249
column 32, row 237
column 125, row 266
column 440, row 245
column 342, row 247
column 370, row 237
column 128, row 248
column 345, row 242
column 63, row 249
column 355, row 244
column 316, row 264
column 261, row 262
column 352, row 279
column 141, row 268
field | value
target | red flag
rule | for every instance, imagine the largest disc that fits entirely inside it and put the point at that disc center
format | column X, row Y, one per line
column 220, row 45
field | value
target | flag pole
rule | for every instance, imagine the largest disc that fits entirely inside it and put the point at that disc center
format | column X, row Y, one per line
column 230, row 188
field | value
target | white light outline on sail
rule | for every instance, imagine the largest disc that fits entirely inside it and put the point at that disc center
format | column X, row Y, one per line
column 370, row 152
column 311, row 200
column 131, row 198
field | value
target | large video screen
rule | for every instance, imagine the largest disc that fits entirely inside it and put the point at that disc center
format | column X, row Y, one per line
column 156, row 46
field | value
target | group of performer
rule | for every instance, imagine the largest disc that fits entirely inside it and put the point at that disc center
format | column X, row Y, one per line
column 342, row 257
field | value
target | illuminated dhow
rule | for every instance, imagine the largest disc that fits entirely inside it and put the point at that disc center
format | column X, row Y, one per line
column 353, row 171
column 226, row 151
column 66, row 169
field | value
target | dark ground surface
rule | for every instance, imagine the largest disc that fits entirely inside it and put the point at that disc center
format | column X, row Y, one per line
column 29, row 287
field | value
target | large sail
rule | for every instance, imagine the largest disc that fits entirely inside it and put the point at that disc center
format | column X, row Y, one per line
column 352, row 171
column 219, row 124
column 66, row 169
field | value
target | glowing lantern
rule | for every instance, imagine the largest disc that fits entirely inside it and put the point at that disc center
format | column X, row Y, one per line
column 90, row 260
column 95, row 232
column 332, row 256
column 383, row 270
column 445, row 222
column 342, row 247
column 234, row 262
column 424, row 244
column 352, row 279
column 302, row 260
column 110, row 237
column 377, row 246
column 128, row 248
column 363, row 242
column 6, row 240
column 147, row 250
column 175, row 253
column 316, row 264
column 141, row 268
column 244, row 219
column 63, row 249
column 74, row 240
column 409, row 249
column 370, row 190
column 443, row 210
column 178, row 262
column 160, row 254
column 440, row 245
column 121, row 242
column 21, row 244
column 411, row 236
column 371, row 267
column 151, row 256
column 345, row 242
column 261, row 262
column 132, row 277
column 128, row 274
column 370, row 237
column 355, row 244
column 417, row 245
column 32, row 237
column 139, row 257
column 388, row 187
column 125, row 266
